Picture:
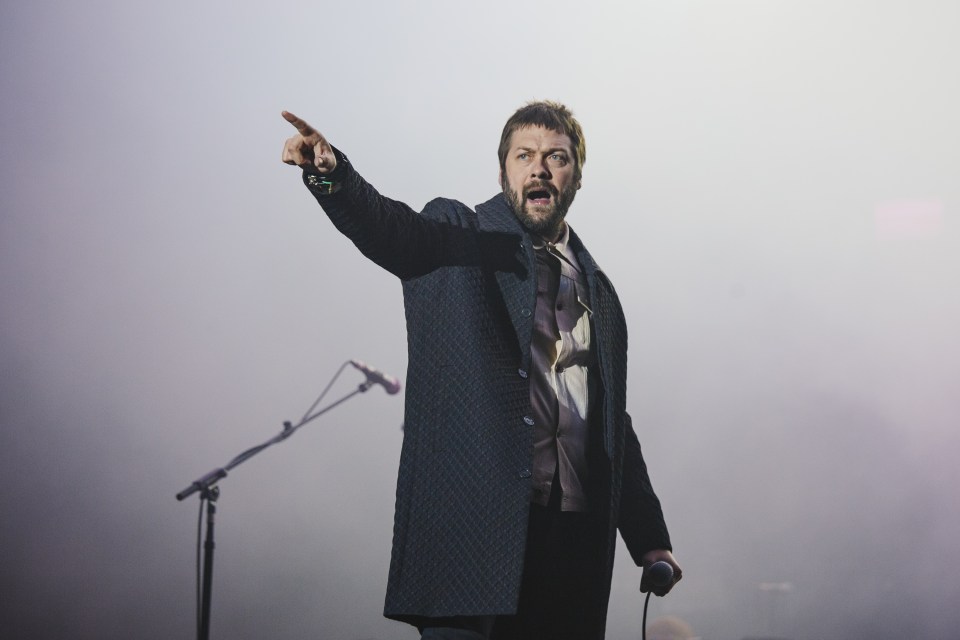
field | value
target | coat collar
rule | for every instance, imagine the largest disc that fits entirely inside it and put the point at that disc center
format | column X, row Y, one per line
column 495, row 215
column 516, row 272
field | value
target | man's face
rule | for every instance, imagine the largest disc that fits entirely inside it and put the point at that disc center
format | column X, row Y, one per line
column 538, row 179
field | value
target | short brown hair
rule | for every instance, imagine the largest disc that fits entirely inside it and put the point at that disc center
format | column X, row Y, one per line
column 549, row 115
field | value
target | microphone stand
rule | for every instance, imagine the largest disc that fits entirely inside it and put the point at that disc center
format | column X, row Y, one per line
column 205, row 485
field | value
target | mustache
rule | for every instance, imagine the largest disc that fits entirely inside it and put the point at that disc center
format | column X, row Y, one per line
column 540, row 186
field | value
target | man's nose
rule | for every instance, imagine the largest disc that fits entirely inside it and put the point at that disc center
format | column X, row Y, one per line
column 539, row 169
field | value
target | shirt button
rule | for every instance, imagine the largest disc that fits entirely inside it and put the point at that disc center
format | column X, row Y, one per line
column 525, row 312
column 528, row 420
column 525, row 473
column 522, row 373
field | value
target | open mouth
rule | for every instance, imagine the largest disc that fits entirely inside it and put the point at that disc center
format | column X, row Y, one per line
column 540, row 196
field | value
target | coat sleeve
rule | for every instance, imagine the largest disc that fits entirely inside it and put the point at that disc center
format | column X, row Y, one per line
column 390, row 233
column 641, row 520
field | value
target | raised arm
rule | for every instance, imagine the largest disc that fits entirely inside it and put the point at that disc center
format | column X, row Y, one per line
column 388, row 232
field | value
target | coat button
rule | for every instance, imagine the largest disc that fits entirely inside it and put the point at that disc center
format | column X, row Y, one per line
column 525, row 473
column 523, row 373
column 528, row 420
column 525, row 312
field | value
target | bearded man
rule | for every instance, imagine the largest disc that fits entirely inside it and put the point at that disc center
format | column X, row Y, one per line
column 519, row 461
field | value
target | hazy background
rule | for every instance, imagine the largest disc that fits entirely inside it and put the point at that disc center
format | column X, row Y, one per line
column 773, row 187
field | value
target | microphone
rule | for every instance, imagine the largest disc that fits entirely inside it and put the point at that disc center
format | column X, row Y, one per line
column 389, row 383
column 660, row 573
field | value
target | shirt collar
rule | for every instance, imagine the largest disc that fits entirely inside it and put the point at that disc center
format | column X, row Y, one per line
column 560, row 248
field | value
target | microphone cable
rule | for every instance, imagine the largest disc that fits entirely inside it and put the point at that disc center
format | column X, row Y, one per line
column 660, row 574
column 643, row 628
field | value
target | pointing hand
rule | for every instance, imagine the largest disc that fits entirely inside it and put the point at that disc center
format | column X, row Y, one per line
column 308, row 149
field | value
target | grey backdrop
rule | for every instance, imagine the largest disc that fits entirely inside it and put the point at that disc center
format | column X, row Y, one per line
column 772, row 185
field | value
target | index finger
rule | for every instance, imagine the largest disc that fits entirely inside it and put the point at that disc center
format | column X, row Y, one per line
column 301, row 125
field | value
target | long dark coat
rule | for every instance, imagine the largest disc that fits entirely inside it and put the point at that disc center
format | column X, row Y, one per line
column 464, row 485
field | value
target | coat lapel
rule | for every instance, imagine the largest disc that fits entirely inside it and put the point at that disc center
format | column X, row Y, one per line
column 513, row 265
column 603, row 334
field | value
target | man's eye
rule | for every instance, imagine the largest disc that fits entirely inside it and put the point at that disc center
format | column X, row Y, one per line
column 523, row 156
column 558, row 158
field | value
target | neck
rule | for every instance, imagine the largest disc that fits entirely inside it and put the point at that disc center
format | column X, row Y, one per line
column 558, row 234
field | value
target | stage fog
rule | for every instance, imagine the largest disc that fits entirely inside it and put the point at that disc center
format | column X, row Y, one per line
column 771, row 186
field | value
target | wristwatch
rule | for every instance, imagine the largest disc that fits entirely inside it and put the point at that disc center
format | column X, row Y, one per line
column 327, row 183
column 321, row 183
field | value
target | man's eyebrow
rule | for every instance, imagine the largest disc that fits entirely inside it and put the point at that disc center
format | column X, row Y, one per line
column 550, row 150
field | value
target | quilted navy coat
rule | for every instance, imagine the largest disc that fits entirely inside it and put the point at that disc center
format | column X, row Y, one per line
column 463, row 493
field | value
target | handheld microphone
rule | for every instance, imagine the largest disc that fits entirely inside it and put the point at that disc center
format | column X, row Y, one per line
column 660, row 573
column 390, row 384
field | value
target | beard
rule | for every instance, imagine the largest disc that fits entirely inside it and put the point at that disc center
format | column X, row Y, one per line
column 544, row 220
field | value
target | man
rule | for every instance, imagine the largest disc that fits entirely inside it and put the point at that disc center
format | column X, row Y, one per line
column 519, row 461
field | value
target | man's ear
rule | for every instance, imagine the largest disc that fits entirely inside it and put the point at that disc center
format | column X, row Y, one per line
column 579, row 184
column 500, row 178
